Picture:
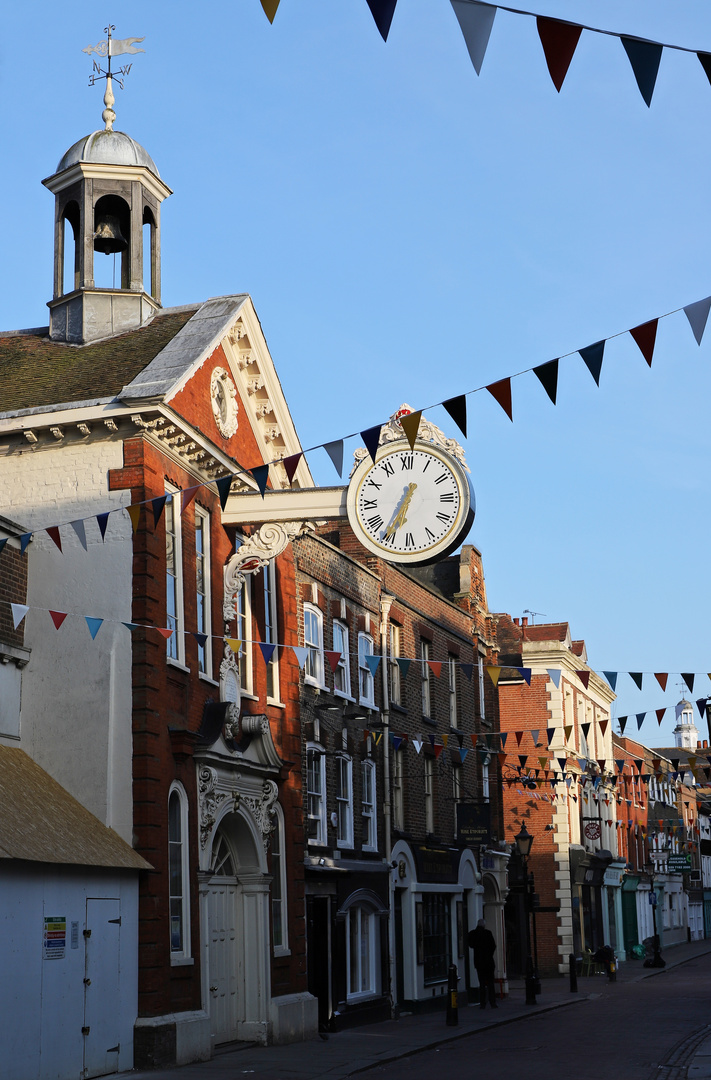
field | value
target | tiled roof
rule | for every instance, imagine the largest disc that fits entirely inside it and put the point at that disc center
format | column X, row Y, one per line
column 546, row 632
column 36, row 372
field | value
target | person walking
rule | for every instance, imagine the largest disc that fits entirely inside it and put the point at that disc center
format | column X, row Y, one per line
column 482, row 942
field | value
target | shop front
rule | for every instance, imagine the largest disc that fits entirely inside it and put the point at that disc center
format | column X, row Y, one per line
column 612, row 913
column 589, row 904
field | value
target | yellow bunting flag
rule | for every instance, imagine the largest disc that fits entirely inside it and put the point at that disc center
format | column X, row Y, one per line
column 410, row 425
column 494, row 674
column 568, row 730
column 134, row 512
column 234, row 643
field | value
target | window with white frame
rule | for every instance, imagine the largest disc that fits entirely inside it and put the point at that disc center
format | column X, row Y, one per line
column 398, row 806
column 344, row 801
column 313, row 641
column 175, row 646
column 280, row 940
column 426, row 678
column 370, row 834
column 243, row 608
column 270, row 633
column 202, row 586
column 429, row 793
column 342, row 674
column 395, row 681
column 363, row 937
column 316, row 794
column 178, row 873
column 482, row 714
column 456, row 784
column 452, row 665
column 365, row 675
column 485, row 777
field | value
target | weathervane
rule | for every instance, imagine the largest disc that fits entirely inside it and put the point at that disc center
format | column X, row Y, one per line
column 111, row 47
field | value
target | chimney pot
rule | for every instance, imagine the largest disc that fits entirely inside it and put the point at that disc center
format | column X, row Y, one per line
column 515, row 622
column 524, row 620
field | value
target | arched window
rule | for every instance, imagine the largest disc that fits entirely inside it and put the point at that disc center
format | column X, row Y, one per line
column 178, row 874
column 363, row 915
column 70, row 248
column 150, row 276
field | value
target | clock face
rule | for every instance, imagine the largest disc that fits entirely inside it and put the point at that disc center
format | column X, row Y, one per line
column 412, row 505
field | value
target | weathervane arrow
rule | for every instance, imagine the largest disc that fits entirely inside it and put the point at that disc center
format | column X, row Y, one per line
column 115, row 46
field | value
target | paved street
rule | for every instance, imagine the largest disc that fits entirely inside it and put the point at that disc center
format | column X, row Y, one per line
column 647, row 1024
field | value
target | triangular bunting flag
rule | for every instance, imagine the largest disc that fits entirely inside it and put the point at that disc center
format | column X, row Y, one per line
column 701, row 706
column 335, row 452
column 267, row 651
column 261, row 475
column 585, row 728
column 660, row 714
column 468, row 670
column 270, row 8
column 501, row 392
column 494, row 674
column 410, row 425
column 291, row 464
column 53, row 532
column 640, row 719
column 562, row 762
column 568, row 730
column 404, row 666
column 24, row 541
column 186, row 497
column 334, row 659
column 603, row 726
column 518, row 735
column 611, row 677
column 301, row 654
column 371, row 438
column 457, row 409
column 644, row 56
column 688, row 678
column 435, row 667
column 645, row 335
column 417, row 743
column 559, row 41
column 697, row 314
column 554, row 676
column 200, row 638
column 476, row 21
column 547, row 374
column 158, row 505
column 102, row 521
column 445, row 739
column 18, row 613
column 636, row 677
column 94, row 625
column 396, row 741
column 661, row 677
column 584, row 677
column 382, row 11
column 58, row 618
column 164, row 631
column 223, row 486
column 526, row 672
column 131, row 625
column 134, row 512
column 372, row 662
column 592, row 355
column 503, row 735
column 438, row 748
column 523, row 758
column 463, row 754
column 543, row 762
column 550, row 733
column 534, row 735
column 705, row 61
column 620, row 763
column 235, row 644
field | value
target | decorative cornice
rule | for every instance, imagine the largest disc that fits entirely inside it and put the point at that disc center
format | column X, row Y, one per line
column 255, row 551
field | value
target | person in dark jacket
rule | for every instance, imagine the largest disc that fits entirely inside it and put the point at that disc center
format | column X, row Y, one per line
column 482, row 942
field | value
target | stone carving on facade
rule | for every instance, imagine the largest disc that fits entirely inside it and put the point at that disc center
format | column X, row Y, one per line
column 262, row 809
column 223, row 394
column 256, row 551
column 209, row 801
column 427, row 432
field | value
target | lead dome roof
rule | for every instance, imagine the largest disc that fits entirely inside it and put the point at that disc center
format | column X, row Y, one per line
column 108, row 148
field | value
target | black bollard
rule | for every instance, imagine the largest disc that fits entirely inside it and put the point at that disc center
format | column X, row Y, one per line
column 452, row 1005
column 573, row 974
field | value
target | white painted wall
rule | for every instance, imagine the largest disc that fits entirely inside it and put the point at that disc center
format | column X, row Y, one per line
column 76, row 693
column 42, row 1001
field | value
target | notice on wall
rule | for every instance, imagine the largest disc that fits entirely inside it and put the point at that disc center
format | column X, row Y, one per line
column 55, row 937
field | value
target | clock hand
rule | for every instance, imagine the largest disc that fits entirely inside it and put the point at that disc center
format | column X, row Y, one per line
column 400, row 518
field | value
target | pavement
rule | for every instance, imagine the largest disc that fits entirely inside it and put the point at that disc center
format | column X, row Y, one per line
column 357, row 1050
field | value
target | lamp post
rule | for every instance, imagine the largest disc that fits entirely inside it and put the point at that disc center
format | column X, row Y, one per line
column 655, row 960
column 524, row 840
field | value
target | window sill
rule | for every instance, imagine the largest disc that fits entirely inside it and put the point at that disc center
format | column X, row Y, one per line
column 427, row 720
column 366, row 995
column 369, row 850
column 343, row 845
column 207, row 679
column 310, row 681
column 182, row 961
column 281, row 950
column 368, row 705
column 248, row 696
column 276, row 704
column 396, row 708
column 343, row 696
column 177, row 665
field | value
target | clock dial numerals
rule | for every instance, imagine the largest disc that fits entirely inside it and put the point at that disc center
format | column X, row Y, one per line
column 409, row 514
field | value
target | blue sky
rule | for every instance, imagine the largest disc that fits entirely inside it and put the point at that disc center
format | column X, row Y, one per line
column 409, row 232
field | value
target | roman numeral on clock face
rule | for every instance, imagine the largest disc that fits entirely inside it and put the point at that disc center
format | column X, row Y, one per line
column 447, row 496
column 409, row 540
column 430, row 535
column 387, row 468
column 375, row 522
column 369, row 504
column 406, row 462
column 444, row 517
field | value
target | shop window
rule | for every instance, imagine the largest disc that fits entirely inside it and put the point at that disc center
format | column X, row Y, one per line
column 178, row 873
column 313, row 640
column 436, row 936
column 342, row 674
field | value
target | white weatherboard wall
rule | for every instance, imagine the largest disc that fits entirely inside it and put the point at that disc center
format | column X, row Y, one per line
column 76, row 693
column 44, row 1003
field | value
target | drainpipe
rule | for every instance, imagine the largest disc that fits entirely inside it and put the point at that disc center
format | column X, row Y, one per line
column 385, row 605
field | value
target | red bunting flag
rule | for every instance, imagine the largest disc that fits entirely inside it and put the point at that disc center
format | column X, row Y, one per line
column 584, row 677
column 291, row 464
column 58, row 618
column 435, row 667
column 334, row 658
column 660, row 714
column 645, row 335
column 603, row 726
column 438, row 748
column 187, row 496
column 559, row 41
column 164, row 631
column 53, row 531
column 661, row 677
column 501, row 392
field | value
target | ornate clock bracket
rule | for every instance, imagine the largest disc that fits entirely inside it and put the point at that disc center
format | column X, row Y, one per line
column 255, row 551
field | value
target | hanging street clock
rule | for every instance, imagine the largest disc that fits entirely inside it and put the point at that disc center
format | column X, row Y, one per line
column 414, row 505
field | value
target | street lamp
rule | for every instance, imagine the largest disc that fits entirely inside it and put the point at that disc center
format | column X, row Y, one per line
column 524, row 840
column 655, row 960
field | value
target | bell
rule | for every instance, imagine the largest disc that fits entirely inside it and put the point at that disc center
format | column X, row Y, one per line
column 107, row 237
